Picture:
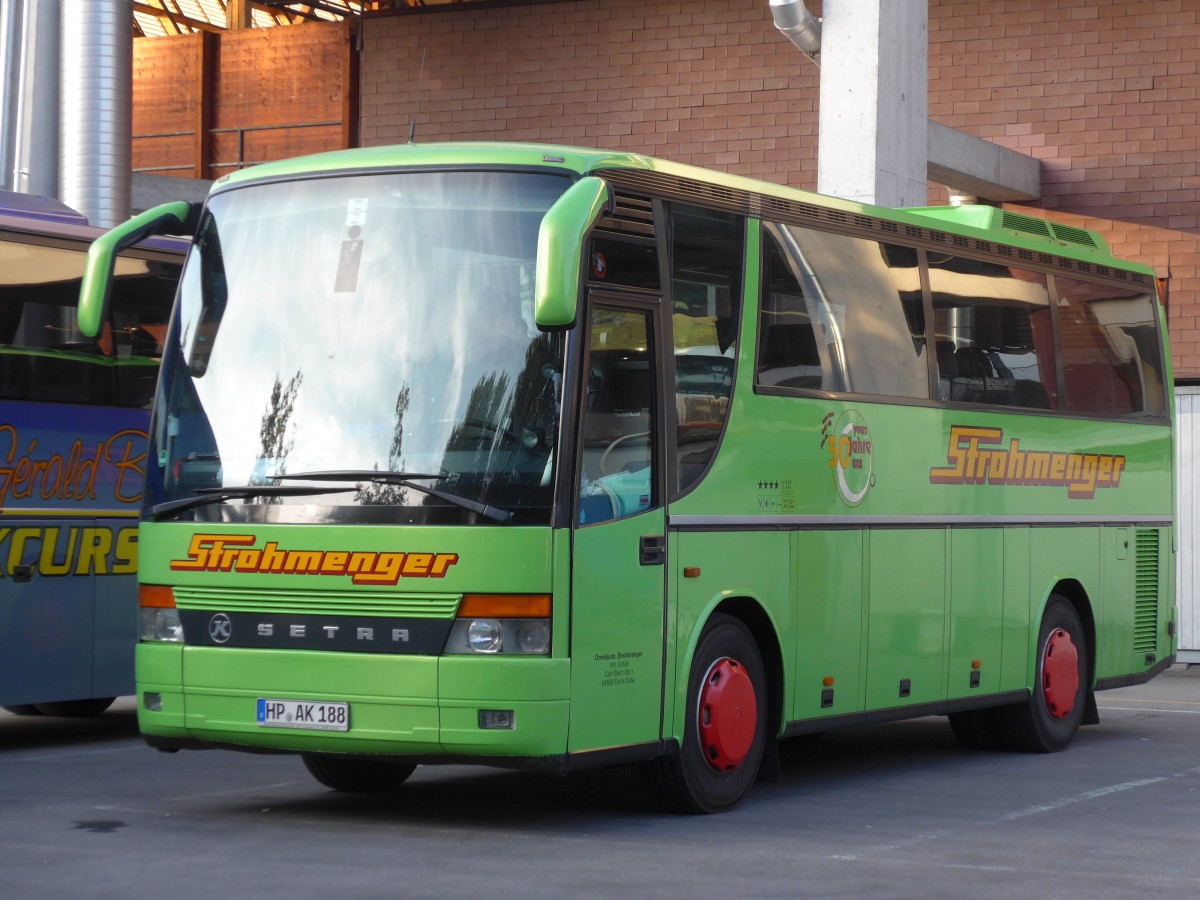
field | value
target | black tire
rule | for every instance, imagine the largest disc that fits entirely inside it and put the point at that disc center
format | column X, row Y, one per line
column 1048, row 720
column 977, row 729
column 356, row 774
column 689, row 782
column 24, row 709
column 76, row 709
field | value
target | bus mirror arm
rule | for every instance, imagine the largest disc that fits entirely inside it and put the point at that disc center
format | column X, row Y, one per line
column 179, row 218
column 561, row 240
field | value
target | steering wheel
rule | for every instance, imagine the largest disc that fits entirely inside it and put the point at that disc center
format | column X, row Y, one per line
column 604, row 470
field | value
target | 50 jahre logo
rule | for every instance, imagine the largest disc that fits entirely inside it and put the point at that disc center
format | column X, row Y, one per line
column 848, row 441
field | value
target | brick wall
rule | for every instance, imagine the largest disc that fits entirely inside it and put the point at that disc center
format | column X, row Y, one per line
column 1104, row 93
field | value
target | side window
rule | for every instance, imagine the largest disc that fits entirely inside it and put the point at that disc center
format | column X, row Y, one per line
column 139, row 310
column 707, row 249
column 993, row 331
column 619, row 464
column 43, row 355
column 840, row 313
column 623, row 260
column 1111, row 361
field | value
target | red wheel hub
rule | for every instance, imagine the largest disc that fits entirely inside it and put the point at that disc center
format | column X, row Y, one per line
column 728, row 714
column 1060, row 674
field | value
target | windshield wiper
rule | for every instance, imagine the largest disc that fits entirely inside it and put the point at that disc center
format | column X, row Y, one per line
column 404, row 479
column 205, row 496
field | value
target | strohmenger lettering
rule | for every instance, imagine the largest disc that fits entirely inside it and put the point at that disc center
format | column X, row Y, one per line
column 238, row 553
column 976, row 457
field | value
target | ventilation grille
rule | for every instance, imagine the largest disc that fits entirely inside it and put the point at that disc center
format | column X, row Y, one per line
column 329, row 603
column 797, row 212
column 1026, row 224
column 1071, row 235
column 630, row 215
column 1145, row 593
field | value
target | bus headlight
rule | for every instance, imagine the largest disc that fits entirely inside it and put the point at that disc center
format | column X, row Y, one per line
column 160, row 625
column 533, row 635
column 485, row 636
column 492, row 624
column 158, row 619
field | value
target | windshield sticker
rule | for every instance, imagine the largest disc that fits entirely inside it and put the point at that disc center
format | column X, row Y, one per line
column 976, row 457
column 346, row 280
column 237, row 553
column 850, row 455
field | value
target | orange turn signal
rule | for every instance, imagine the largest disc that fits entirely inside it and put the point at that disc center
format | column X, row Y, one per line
column 158, row 595
column 504, row 606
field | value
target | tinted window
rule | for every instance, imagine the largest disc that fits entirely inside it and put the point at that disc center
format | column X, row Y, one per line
column 707, row 249
column 44, row 356
column 630, row 263
column 840, row 314
column 1110, row 349
column 993, row 334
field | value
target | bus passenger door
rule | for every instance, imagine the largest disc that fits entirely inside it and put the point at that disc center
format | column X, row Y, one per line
column 619, row 542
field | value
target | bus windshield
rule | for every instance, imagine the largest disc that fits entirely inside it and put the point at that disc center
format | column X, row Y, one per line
column 373, row 334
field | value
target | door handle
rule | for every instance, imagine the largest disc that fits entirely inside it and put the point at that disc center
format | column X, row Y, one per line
column 652, row 550
column 22, row 573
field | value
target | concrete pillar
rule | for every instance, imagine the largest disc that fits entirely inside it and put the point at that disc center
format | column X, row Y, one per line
column 873, row 145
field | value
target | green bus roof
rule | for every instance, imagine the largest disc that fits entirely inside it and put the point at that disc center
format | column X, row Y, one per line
column 983, row 222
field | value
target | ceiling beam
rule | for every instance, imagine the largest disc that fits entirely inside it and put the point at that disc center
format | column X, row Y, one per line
column 176, row 19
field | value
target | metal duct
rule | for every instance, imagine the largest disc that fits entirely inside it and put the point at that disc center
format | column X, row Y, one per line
column 799, row 26
column 35, row 166
column 96, row 92
column 11, row 67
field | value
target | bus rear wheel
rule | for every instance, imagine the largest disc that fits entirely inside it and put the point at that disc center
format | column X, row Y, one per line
column 725, row 727
column 1048, row 720
column 355, row 774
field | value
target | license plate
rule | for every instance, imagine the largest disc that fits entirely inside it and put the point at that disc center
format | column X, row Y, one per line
column 319, row 716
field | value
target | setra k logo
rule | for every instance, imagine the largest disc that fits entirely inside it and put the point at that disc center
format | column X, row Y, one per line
column 220, row 628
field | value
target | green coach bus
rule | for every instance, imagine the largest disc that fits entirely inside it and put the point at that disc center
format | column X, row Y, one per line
column 542, row 457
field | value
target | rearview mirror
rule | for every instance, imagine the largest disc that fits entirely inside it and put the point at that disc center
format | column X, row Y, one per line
column 170, row 218
column 564, row 229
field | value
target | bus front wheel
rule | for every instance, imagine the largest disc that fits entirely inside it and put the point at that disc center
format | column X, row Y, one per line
column 725, row 727
column 356, row 775
column 1048, row 720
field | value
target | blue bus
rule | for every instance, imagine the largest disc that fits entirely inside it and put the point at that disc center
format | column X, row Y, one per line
column 74, row 413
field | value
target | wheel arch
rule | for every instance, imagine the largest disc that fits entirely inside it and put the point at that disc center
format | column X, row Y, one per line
column 1076, row 594
column 751, row 614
